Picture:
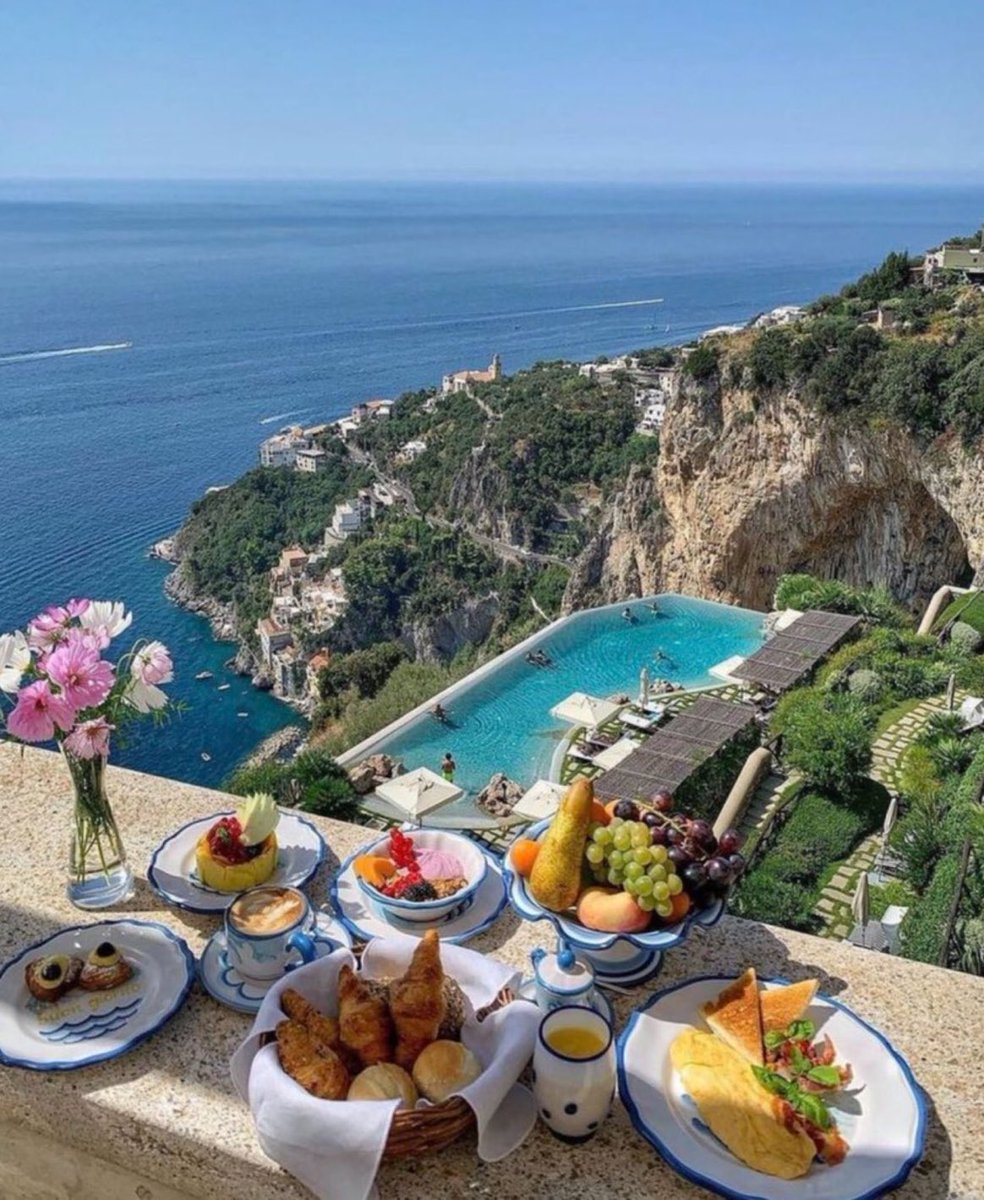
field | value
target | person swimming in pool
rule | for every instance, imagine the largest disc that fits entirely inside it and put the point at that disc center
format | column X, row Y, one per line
column 448, row 767
column 627, row 614
column 439, row 713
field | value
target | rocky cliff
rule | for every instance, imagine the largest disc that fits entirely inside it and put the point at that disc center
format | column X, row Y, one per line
column 750, row 487
column 439, row 639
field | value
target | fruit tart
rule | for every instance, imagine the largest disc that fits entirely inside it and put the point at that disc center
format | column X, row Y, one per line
column 240, row 851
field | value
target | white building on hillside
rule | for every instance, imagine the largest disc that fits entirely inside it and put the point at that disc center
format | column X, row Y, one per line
column 347, row 519
column 311, row 459
column 410, row 450
column 281, row 449
column 461, row 381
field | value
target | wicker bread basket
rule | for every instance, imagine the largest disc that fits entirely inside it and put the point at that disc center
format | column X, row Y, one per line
column 424, row 1130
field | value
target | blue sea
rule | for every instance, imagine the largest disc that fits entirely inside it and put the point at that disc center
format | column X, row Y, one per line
column 248, row 305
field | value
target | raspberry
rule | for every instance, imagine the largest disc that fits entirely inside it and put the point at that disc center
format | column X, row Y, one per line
column 401, row 849
column 224, row 843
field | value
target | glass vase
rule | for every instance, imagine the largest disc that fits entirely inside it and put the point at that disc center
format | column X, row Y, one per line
column 98, row 873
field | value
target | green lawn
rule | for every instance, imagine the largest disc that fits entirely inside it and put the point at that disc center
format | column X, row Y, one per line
column 969, row 609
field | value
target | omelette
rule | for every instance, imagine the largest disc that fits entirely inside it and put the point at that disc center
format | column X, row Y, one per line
column 737, row 1109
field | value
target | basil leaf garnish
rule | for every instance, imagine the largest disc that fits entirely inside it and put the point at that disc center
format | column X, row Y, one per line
column 827, row 1076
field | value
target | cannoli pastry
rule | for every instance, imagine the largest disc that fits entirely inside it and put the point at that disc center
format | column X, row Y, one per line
column 105, row 968
column 49, row 978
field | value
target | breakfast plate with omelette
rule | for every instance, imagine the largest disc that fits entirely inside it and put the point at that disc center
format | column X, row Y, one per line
column 764, row 1090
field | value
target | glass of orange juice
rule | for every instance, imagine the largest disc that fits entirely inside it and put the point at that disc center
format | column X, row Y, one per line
column 574, row 1072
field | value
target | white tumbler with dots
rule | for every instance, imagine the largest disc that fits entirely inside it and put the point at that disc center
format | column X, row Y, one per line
column 574, row 1072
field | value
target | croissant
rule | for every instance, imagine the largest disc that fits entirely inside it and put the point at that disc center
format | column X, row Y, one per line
column 417, row 1001
column 325, row 1029
column 315, row 1066
column 363, row 1020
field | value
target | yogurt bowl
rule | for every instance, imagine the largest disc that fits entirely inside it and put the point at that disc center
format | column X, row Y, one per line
column 428, row 843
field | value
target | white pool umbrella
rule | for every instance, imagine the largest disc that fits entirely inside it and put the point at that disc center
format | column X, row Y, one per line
column 861, row 904
column 418, row 792
column 643, row 687
column 891, row 816
column 581, row 709
column 540, row 801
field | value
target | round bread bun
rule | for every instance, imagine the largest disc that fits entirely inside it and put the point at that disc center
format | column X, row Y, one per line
column 384, row 1081
column 443, row 1068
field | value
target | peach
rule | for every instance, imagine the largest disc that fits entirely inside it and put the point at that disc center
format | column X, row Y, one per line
column 611, row 911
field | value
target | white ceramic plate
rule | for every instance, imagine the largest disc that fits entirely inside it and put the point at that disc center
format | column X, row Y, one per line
column 882, row 1115
column 366, row 919
column 173, row 875
column 224, row 983
column 87, row 1027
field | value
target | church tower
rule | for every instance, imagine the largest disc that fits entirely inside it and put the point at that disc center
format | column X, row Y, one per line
column 495, row 367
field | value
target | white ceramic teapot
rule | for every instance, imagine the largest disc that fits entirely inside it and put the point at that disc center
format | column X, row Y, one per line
column 559, row 979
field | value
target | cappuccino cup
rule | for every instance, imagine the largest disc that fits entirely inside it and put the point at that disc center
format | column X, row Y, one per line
column 268, row 931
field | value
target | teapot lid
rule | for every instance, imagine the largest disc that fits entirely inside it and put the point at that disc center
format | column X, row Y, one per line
column 563, row 971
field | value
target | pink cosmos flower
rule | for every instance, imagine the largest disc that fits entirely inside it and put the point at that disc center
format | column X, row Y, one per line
column 152, row 664
column 37, row 712
column 85, row 680
column 105, row 619
column 90, row 738
column 49, row 628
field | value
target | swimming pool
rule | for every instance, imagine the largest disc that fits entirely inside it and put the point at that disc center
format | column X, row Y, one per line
column 500, row 716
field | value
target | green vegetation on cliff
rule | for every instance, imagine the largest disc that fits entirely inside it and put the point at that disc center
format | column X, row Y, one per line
column 233, row 537
column 552, row 431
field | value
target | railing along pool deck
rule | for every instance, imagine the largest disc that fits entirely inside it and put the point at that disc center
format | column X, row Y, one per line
column 163, row 1122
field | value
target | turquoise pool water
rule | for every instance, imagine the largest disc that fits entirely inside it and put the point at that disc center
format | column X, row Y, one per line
column 502, row 721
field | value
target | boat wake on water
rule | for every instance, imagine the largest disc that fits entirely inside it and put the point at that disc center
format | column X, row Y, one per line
column 32, row 355
column 294, row 412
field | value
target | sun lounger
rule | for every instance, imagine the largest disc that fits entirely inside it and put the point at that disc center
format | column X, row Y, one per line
column 642, row 721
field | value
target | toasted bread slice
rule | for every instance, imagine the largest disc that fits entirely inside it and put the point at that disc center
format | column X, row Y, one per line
column 736, row 1018
column 783, row 1005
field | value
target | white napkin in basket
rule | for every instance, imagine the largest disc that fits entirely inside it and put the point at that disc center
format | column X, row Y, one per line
column 335, row 1148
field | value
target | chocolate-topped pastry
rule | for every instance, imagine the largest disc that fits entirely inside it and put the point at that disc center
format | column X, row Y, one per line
column 105, row 968
column 49, row 978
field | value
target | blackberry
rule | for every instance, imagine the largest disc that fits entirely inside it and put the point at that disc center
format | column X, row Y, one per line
column 419, row 891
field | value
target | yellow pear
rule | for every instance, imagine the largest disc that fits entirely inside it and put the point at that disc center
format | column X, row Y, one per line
column 555, row 881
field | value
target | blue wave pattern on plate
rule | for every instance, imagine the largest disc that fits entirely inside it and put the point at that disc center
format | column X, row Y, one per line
column 68, row 1033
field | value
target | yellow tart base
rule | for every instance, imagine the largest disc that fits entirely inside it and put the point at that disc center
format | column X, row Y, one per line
column 238, row 877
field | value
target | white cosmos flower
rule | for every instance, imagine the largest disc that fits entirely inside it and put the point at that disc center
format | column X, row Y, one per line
column 144, row 697
column 106, row 619
column 15, row 658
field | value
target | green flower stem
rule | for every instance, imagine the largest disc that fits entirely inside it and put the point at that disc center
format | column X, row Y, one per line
column 95, row 826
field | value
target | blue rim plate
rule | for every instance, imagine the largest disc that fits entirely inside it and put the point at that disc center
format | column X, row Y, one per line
column 367, row 920
column 172, row 874
column 579, row 935
column 225, row 984
column 882, row 1116
column 86, row 1027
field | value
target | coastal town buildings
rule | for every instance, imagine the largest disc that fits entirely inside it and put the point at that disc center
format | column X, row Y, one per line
column 347, row 519
column 966, row 262
column 281, row 449
column 461, row 381
column 311, row 459
column 785, row 314
column 409, row 451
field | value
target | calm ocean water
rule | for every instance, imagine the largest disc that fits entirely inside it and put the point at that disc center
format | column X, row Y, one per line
column 248, row 304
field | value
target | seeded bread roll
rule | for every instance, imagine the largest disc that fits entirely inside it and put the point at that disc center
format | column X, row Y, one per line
column 444, row 1068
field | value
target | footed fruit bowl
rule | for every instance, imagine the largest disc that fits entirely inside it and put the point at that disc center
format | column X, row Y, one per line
column 624, row 958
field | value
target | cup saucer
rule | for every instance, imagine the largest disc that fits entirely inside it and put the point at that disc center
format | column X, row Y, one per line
column 224, row 983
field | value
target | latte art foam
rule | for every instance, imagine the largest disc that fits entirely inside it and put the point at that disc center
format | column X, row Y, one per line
column 267, row 910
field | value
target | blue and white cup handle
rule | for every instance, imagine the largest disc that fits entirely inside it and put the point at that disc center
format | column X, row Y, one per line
column 304, row 945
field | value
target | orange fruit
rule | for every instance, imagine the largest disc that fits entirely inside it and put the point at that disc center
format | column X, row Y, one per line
column 600, row 813
column 523, row 856
column 374, row 869
column 681, row 906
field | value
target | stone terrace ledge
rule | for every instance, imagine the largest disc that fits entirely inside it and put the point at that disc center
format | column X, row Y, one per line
column 163, row 1123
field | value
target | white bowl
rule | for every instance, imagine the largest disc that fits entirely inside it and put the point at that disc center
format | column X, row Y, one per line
column 430, row 912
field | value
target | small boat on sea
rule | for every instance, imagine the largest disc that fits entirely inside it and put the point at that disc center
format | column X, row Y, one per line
column 204, row 675
column 242, row 714
column 206, row 757
column 223, row 687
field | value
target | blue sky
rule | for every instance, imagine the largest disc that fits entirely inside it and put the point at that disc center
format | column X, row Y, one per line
column 491, row 89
